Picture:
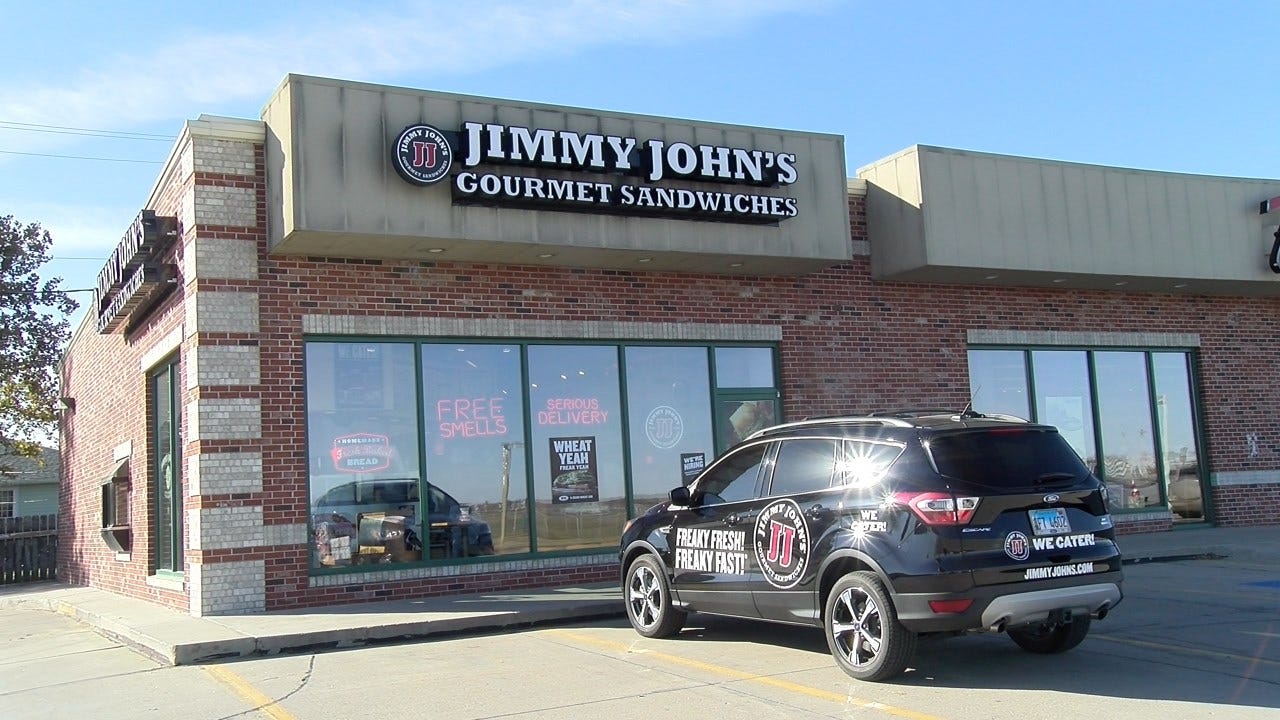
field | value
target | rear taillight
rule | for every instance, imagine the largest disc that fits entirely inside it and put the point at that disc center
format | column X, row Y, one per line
column 935, row 508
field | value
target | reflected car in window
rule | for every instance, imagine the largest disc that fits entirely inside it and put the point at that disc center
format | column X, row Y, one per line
column 376, row 521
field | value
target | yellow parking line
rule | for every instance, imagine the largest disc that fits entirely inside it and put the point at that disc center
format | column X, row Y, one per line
column 740, row 675
column 242, row 687
column 1218, row 654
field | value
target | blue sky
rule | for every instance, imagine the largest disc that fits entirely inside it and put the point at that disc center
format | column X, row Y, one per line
column 1173, row 85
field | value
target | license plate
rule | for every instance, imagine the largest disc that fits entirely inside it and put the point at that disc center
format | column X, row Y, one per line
column 1049, row 522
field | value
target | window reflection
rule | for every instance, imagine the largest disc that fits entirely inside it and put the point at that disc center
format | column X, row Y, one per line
column 744, row 367
column 1123, row 400
column 998, row 382
column 1063, row 398
column 1128, row 444
column 1175, row 419
column 575, row 407
column 474, row 439
column 362, row 444
column 669, row 419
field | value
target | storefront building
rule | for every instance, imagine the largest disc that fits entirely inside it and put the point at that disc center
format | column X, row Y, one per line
column 389, row 343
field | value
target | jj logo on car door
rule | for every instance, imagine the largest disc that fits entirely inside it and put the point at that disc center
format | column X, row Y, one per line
column 799, row 509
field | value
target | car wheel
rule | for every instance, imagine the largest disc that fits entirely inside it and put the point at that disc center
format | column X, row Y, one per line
column 648, row 598
column 863, row 631
column 1047, row 638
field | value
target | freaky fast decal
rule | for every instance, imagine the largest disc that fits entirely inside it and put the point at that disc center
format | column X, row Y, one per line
column 782, row 543
column 713, row 551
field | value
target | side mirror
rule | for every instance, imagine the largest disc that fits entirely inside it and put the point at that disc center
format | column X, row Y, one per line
column 680, row 496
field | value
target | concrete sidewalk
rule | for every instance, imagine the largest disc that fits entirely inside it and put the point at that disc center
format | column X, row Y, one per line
column 175, row 638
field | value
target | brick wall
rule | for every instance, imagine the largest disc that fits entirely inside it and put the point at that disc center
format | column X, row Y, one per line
column 105, row 374
column 848, row 345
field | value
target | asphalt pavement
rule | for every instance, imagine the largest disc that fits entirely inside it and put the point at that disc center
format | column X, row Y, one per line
column 176, row 638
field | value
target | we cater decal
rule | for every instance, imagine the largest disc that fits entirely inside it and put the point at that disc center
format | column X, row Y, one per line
column 424, row 155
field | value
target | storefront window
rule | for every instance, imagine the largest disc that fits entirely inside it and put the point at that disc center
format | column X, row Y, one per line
column 1177, row 435
column 669, row 419
column 1149, row 460
column 1128, row 443
column 998, row 382
column 362, row 442
column 443, row 451
column 578, row 469
column 474, row 439
column 744, row 368
column 166, row 450
column 1063, row 398
column 739, row 419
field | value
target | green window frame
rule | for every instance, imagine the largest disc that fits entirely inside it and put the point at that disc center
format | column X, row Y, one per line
column 718, row 398
column 165, row 440
column 1103, row 413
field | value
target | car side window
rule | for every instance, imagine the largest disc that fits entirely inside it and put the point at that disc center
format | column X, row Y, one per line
column 734, row 479
column 864, row 463
column 804, row 465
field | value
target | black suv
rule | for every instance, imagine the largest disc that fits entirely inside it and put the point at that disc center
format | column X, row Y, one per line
column 880, row 529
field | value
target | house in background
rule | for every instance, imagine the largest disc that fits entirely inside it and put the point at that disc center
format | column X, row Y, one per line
column 29, row 486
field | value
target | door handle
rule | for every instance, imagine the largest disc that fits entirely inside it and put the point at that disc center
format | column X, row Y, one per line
column 733, row 519
column 816, row 512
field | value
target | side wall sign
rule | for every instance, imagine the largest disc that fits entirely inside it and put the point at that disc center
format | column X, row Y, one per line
column 597, row 173
column 132, row 281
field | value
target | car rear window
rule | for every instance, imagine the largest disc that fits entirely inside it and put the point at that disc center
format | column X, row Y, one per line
column 1007, row 457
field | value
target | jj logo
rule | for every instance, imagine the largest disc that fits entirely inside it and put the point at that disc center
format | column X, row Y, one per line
column 782, row 543
column 424, row 154
column 781, row 538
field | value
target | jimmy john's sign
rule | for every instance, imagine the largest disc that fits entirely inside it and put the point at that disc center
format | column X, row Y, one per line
column 506, row 165
column 132, row 280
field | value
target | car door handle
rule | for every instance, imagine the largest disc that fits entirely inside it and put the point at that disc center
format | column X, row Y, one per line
column 817, row 512
column 733, row 519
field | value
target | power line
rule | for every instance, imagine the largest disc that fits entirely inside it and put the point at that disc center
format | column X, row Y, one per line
column 80, row 157
column 110, row 136
column 39, row 127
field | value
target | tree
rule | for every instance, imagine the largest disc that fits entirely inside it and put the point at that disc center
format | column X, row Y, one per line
column 33, row 330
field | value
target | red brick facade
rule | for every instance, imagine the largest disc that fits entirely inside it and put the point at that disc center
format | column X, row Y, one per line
column 849, row 345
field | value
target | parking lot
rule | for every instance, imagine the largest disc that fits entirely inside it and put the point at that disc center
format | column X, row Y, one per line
column 1192, row 639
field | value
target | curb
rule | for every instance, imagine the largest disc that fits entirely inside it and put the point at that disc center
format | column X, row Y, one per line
column 1146, row 559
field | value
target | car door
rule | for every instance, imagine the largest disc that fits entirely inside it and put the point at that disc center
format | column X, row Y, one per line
column 711, row 544
column 801, row 508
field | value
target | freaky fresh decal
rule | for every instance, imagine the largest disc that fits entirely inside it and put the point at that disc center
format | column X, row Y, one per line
column 713, row 551
column 782, row 543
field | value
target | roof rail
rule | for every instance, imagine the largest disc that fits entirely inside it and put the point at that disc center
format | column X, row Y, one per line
column 914, row 412
column 834, row 420
column 1005, row 416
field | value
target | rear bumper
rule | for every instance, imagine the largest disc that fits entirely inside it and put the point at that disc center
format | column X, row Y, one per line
column 1000, row 606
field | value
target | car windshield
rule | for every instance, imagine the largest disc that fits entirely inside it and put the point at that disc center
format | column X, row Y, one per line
column 1007, row 457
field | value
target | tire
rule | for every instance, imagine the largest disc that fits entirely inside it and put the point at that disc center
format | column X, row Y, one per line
column 863, row 631
column 1047, row 638
column 648, row 598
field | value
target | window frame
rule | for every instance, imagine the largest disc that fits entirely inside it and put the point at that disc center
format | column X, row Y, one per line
column 619, row 346
column 1192, row 356
column 171, row 533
